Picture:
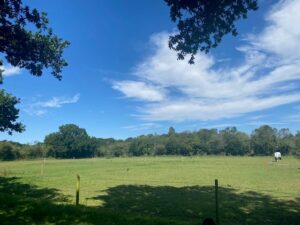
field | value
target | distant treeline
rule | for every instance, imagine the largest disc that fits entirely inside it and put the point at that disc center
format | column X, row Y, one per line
column 72, row 141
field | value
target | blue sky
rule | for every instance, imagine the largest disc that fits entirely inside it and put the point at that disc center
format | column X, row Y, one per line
column 123, row 81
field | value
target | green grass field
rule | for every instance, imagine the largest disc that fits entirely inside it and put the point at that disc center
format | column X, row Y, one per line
column 151, row 190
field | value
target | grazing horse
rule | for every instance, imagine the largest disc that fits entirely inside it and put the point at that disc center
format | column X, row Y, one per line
column 277, row 155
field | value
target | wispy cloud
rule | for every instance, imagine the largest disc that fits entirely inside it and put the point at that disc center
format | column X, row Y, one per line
column 142, row 126
column 40, row 108
column 57, row 102
column 140, row 90
column 258, row 117
column 10, row 70
column 294, row 117
column 173, row 90
column 251, row 123
column 281, row 36
column 260, row 123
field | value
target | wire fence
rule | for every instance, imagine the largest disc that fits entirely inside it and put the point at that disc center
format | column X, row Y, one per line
column 109, row 182
column 113, row 182
column 223, row 194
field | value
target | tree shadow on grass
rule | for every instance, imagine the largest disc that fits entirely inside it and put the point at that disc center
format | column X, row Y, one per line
column 26, row 204
column 193, row 204
column 142, row 205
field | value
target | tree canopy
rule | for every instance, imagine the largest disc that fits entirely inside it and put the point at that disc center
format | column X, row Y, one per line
column 70, row 141
column 264, row 140
column 202, row 24
column 33, row 48
column 26, row 41
column 9, row 114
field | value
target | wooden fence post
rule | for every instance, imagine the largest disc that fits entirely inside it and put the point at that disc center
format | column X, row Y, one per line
column 217, row 201
column 77, row 189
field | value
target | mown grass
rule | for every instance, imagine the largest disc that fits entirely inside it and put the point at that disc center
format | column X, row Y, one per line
column 151, row 190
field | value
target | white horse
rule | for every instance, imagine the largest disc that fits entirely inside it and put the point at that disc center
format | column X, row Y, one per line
column 277, row 155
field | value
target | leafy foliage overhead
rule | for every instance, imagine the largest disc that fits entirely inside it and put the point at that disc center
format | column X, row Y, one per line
column 9, row 114
column 202, row 23
column 27, row 42
column 34, row 49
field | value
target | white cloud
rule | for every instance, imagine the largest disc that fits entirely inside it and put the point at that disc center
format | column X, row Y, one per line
column 142, row 126
column 260, row 123
column 10, row 70
column 212, row 109
column 267, row 77
column 40, row 108
column 57, row 102
column 258, row 117
column 140, row 90
column 37, row 112
column 282, row 34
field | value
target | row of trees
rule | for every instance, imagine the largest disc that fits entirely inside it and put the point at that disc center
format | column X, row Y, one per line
column 13, row 150
column 72, row 141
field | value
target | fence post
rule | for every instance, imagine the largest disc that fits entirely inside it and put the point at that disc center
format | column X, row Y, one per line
column 217, row 201
column 77, row 189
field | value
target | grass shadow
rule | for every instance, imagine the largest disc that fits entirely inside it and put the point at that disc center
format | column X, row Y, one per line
column 142, row 205
column 27, row 204
column 193, row 204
